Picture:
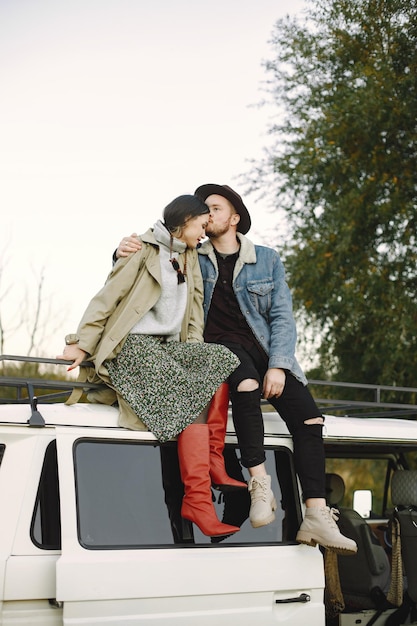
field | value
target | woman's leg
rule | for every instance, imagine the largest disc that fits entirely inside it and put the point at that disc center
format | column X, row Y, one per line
column 217, row 422
column 194, row 459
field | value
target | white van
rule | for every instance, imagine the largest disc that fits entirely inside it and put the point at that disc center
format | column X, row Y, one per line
column 90, row 530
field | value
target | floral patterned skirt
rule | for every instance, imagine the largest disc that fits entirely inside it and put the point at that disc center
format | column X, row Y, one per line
column 168, row 384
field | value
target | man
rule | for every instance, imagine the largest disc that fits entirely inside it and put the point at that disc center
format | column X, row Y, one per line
column 248, row 308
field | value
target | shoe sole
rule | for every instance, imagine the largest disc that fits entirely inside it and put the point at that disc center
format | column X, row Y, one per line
column 266, row 520
column 226, row 532
column 310, row 541
column 221, row 535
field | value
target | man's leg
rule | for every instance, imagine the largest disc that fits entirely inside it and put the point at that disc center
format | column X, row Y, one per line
column 297, row 408
column 245, row 395
column 248, row 421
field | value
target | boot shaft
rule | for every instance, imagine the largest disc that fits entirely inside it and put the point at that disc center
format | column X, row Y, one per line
column 194, row 459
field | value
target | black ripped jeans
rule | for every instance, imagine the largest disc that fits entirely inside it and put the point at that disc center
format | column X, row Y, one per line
column 295, row 406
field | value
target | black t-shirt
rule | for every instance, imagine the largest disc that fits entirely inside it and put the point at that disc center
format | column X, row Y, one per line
column 225, row 322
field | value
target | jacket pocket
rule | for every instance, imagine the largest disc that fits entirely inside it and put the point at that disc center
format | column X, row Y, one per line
column 260, row 294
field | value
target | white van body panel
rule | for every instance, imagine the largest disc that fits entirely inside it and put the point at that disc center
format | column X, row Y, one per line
column 211, row 585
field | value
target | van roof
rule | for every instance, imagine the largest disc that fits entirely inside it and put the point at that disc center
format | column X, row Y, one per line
column 86, row 415
column 51, row 412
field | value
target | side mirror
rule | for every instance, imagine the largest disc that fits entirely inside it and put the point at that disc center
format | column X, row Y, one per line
column 362, row 502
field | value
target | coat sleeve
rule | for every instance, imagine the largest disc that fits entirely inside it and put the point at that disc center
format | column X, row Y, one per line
column 196, row 316
column 103, row 304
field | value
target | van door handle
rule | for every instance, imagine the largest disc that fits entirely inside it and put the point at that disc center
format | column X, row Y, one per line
column 303, row 597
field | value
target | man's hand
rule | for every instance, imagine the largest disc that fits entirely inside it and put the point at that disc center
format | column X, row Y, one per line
column 274, row 382
column 128, row 245
column 73, row 353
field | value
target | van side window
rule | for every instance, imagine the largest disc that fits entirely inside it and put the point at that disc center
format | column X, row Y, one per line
column 363, row 473
column 369, row 468
column 46, row 519
column 129, row 495
column 2, row 449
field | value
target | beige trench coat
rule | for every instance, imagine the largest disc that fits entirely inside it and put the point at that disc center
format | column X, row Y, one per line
column 131, row 290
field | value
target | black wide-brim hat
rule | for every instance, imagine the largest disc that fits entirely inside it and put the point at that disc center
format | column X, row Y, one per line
column 227, row 192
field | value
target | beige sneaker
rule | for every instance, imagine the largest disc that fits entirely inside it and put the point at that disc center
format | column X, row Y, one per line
column 319, row 527
column 263, row 503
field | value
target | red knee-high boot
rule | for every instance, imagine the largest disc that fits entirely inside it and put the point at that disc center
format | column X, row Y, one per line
column 197, row 504
column 217, row 422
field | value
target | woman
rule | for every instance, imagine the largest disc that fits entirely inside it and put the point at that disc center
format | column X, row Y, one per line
column 144, row 333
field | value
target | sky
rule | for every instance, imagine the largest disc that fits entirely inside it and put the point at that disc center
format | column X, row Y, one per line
column 109, row 109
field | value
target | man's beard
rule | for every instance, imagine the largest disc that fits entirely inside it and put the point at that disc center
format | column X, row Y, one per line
column 213, row 232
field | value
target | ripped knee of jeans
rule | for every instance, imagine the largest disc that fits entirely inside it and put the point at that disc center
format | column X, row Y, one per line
column 312, row 428
column 248, row 384
column 314, row 420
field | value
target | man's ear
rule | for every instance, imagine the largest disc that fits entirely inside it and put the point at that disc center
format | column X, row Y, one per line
column 235, row 219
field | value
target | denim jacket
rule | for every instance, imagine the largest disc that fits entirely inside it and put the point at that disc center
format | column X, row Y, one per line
column 263, row 297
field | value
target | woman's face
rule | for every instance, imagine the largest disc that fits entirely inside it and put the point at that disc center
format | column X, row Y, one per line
column 194, row 230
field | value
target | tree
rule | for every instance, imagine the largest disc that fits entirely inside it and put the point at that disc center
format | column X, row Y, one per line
column 28, row 314
column 343, row 159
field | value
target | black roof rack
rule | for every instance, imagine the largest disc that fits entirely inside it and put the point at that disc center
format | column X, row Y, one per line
column 59, row 389
column 375, row 406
